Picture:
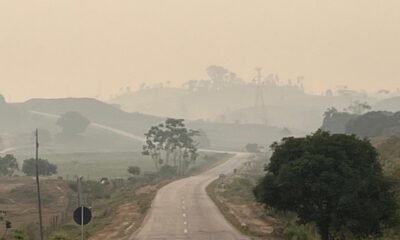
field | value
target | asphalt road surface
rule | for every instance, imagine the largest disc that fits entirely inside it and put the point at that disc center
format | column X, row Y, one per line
column 183, row 210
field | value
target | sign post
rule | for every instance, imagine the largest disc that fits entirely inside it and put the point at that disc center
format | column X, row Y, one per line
column 82, row 215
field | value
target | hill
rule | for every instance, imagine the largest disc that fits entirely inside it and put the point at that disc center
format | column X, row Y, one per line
column 286, row 105
column 389, row 104
column 223, row 96
column 95, row 111
column 227, row 136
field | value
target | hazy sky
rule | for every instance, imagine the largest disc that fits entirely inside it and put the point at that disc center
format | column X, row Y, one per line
column 63, row 48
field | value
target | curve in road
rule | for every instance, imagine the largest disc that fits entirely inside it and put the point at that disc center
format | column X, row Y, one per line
column 183, row 210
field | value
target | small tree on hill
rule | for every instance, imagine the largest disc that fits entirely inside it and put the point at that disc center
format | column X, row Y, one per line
column 334, row 181
column 45, row 167
column 73, row 123
column 8, row 165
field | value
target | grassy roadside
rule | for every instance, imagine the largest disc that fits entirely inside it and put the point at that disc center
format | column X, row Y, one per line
column 234, row 197
column 119, row 209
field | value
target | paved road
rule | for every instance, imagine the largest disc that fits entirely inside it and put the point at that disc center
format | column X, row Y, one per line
column 183, row 210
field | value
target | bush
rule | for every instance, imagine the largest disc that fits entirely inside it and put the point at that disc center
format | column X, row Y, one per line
column 19, row 235
column 134, row 170
column 252, row 148
column 296, row 231
column 167, row 172
column 60, row 235
column 334, row 181
column 8, row 165
column 44, row 166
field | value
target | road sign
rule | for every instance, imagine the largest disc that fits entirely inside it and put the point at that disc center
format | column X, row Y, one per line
column 87, row 215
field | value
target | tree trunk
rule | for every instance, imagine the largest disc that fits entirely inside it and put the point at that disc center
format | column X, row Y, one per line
column 323, row 230
column 175, row 155
column 167, row 157
column 155, row 156
column 180, row 162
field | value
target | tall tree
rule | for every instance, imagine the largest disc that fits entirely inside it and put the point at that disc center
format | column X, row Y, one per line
column 171, row 141
column 334, row 181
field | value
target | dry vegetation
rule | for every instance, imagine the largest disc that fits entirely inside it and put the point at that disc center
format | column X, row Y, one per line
column 18, row 197
column 233, row 196
column 120, row 207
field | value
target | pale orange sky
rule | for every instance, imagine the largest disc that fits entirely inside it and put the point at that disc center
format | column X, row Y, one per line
column 51, row 48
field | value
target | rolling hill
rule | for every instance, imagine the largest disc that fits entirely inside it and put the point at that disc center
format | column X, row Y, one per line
column 229, row 136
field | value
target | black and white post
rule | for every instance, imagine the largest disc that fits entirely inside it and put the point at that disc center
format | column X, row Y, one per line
column 80, row 202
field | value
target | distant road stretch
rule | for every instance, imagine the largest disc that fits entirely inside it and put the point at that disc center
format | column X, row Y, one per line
column 182, row 210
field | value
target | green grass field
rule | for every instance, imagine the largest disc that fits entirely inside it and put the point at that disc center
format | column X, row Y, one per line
column 95, row 165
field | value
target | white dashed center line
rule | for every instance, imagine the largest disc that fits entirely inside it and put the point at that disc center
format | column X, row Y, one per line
column 185, row 231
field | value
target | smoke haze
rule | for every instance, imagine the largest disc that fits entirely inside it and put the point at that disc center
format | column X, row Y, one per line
column 88, row 48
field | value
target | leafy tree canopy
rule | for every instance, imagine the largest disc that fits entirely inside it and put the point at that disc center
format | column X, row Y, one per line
column 171, row 141
column 8, row 165
column 73, row 123
column 334, row 181
column 45, row 167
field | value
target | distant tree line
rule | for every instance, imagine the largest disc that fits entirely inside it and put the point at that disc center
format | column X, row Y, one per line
column 9, row 166
column 354, row 120
column 370, row 124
